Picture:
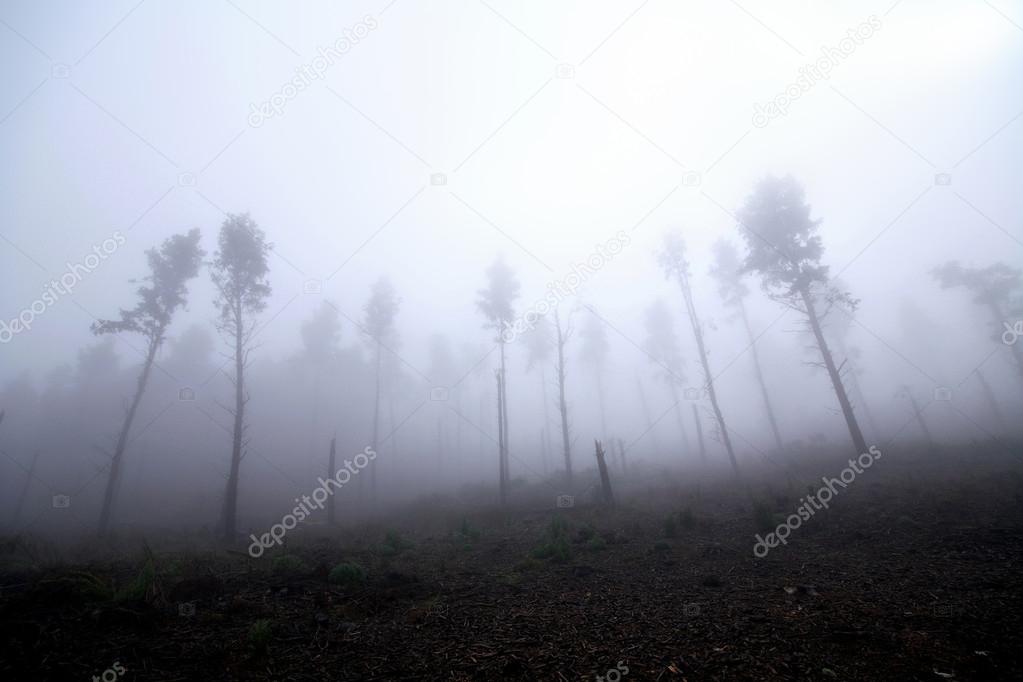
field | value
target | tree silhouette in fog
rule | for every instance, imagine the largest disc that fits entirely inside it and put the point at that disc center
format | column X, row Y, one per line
column 727, row 270
column 171, row 266
column 239, row 272
column 662, row 347
column 785, row 250
column 495, row 302
column 673, row 260
column 378, row 324
column 593, row 352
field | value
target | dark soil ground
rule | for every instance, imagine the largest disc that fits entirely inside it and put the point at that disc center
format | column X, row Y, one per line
column 912, row 574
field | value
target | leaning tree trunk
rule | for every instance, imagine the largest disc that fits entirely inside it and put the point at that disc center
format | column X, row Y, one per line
column 699, row 435
column 231, row 494
column 122, row 439
column 600, row 402
column 836, row 379
column 678, row 413
column 687, row 294
column 760, row 376
column 919, row 417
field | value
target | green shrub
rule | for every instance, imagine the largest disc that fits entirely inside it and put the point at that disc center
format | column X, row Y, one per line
column 346, row 574
column 260, row 634
column 288, row 564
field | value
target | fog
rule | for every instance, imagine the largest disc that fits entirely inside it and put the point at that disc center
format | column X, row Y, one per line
column 563, row 142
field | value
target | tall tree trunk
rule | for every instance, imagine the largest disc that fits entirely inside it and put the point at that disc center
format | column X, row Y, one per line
column 836, row 378
column 760, row 375
column 621, row 457
column 687, row 294
column 989, row 397
column 376, row 424
column 605, row 478
column 331, row 473
column 113, row 477
column 546, row 418
column 858, row 391
column 699, row 434
column 502, row 483
column 504, row 413
column 231, row 494
column 562, row 404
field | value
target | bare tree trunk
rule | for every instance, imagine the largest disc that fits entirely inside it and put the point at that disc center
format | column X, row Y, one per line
column 28, row 484
column 858, row 392
column 605, row 478
column 621, row 457
column 376, row 424
column 331, row 473
column 694, row 320
column 562, row 405
column 699, row 434
column 836, row 379
column 760, row 375
column 502, row 483
column 231, row 494
column 113, row 477
column 989, row 397
column 600, row 402
column 504, row 413
column 546, row 418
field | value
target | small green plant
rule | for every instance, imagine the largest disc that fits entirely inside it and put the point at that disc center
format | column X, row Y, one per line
column 394, row 544
column 260, row 634
column 288, row 564
column 139, row 588
column 468, row 532
column 346, row 574
column 556, row 549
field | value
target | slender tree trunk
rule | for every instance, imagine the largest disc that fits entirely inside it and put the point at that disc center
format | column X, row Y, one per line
column 331, row 473
column 621, row 457
column 699, row 434
column 24, row 488
column 504, row 413
column 546, row 418
column 605, row 478
column 113, row 478
column 562, row 405
column 687, row 294
column 376, row 424
column 989, row 397
column 231, row 495
column 836, row 378
column 760, row 375
column 858, row 391
column 502, row 483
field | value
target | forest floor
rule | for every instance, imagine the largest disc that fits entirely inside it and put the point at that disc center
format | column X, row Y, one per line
column 912, row 574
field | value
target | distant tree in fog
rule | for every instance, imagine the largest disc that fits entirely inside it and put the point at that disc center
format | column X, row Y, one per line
column 593, row 353
column 321, row 338
column 673, row 259
column 495, row 302
column 662, row 347
column 239, row 272
column 998, row 288
column 443, row 375
column 378, row 324
column 727, row 270
column 563, row 332
column 171, row 266
column 785, row 250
